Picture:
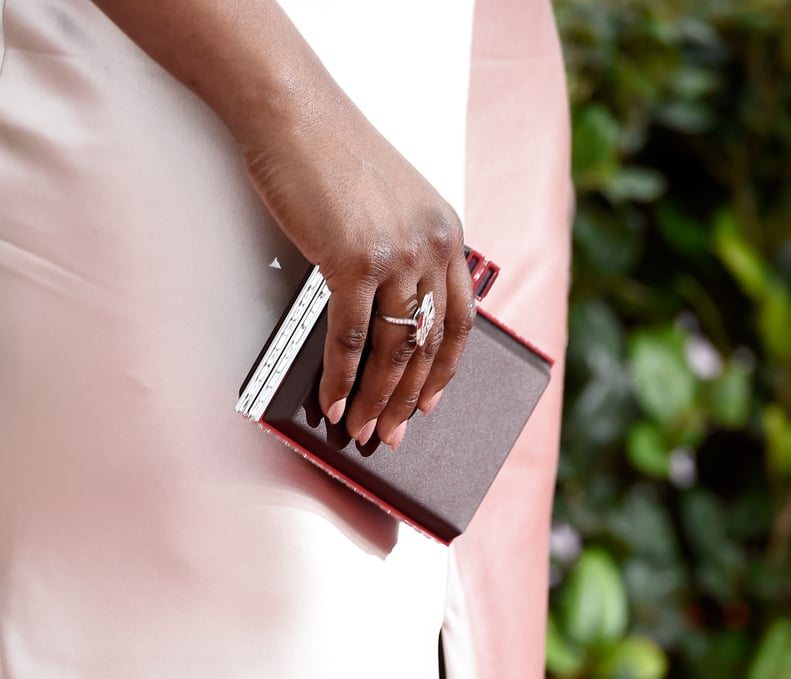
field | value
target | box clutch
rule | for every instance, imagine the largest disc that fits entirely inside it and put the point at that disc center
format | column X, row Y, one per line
column 447, row 460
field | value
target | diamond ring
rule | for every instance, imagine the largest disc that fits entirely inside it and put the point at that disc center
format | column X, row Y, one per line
column 422, row 320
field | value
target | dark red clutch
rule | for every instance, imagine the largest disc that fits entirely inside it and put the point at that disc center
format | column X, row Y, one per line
column 447, row 461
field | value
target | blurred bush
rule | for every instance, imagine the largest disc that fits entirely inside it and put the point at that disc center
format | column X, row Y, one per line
column 671, row 542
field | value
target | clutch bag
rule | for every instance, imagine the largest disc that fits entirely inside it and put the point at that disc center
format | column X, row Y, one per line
column 447, row 460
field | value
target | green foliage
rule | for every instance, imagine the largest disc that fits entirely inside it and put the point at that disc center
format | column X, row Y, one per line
column 675, row 472
column 773, row 660
column 594, row 610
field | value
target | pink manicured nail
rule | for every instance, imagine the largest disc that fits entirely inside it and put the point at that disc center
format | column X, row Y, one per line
column 366, row 432
column 398, row 435
column 433, row 402
column 335, row 412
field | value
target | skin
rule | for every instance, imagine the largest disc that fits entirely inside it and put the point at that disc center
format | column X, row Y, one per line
column 380, row 233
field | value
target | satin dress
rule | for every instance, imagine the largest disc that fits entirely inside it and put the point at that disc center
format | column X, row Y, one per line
column 147, row 530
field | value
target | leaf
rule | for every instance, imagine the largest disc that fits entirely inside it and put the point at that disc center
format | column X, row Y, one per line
column 663, row 383
column 682, row 231
column 731, row 395
column 596, row 341
column 692, row 82
column 726, row 655
column 610, row 241
column 777, row 430
column 644, row 525
column 758, row 281
column 738, row 256
column 774, row 320
column 563, row 657
column 689, row 117
column 720, row 561
column 594, row 600
column 773, row 659
column 782, row 258
column 601, row 413
column 699, row 31
column 635, row 183
column 633, row 658
column 647, row 450
column 595, row 146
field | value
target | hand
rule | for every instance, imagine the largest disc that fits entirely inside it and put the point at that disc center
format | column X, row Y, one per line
column 383, row 238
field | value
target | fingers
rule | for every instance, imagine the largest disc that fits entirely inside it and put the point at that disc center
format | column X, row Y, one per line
column 397, row 375
column 404, row 398
column 392, row 350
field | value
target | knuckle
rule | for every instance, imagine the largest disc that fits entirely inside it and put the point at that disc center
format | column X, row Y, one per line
column 410, row 256
column 406, row 403
column 379, row 401
column 352, row 341
column 402, row 353
column 346, row 379
column 446, row 232
column 464, row 321
column 399, row 408
column 374, row 262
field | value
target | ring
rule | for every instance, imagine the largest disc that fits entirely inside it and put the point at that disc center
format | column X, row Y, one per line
column 422, row 320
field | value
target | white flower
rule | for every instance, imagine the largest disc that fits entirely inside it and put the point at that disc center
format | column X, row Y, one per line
column 703, row 359
column 565, row 542
column 683, row 468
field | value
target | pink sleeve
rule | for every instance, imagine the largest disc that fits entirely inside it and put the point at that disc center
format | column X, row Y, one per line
column 519, row 204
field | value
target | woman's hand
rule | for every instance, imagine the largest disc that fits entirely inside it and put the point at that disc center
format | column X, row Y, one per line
column 383, row 238
column 348, row 200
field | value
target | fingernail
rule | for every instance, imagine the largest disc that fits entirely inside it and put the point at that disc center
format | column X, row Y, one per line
column 433, row 402
column 398, row 435
column 365, row 433
column 335, row 411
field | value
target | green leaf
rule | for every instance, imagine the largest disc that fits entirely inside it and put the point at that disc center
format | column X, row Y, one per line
column 720, row 561
column 738, row 256
column 777, row 429
column 683, row 231
column 730, row 396
column 563, row 657
column 655, row 596
column 690, row 117
column 697, row 30
column 611, row 242
column 726, row 655
column 647, row 450
column 773, row 659
column 595, row 146
column 633, row 658
column 596, row 341
column 645, row 526
column 758, row 281
column 774, row 319
column 640, row 184
column 663, row 383
column 594, row 600
column 602, row 412
column 692, row 82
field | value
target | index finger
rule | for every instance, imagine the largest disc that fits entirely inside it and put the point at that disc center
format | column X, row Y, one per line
column 348, row 319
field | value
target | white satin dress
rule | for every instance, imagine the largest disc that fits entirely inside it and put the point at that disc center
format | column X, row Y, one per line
column 147, row 530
